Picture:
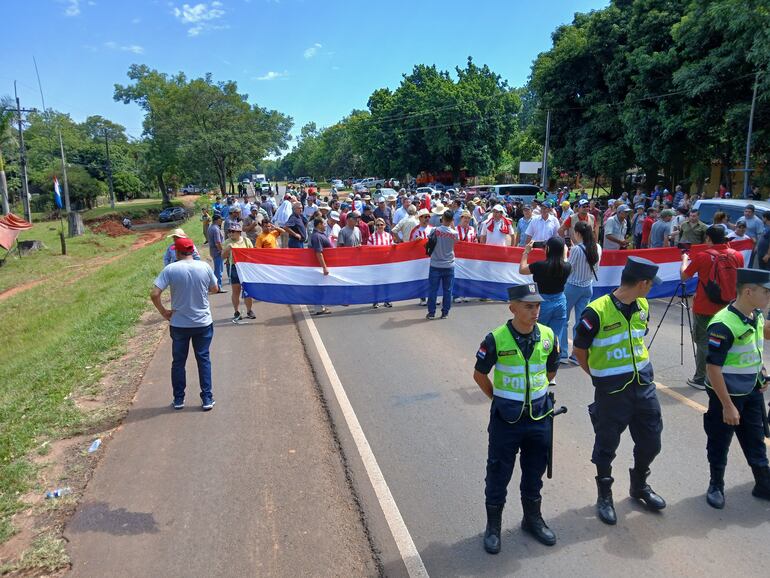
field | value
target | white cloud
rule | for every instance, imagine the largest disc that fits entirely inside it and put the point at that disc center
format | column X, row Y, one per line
column 273, row 75
column 136, row 20
column 200, row 16
column 73, row 8
column 133, row 48
column 312, row 51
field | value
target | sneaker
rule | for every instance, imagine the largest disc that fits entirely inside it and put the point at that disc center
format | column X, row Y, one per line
column 573, row 359
column 208, row 405
column 250, row 315
column 444, row 315
column 237, row 317
column 375, row 305
column 697, row 383
column 423, row 302
column 429, row 316
column 388, row 304
column 178, row 404
column 564, row 360
column 222, row 291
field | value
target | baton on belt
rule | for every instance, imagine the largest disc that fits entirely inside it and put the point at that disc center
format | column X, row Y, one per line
column 559, row 411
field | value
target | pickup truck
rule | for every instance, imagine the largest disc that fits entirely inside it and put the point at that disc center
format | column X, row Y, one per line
column 372, row 182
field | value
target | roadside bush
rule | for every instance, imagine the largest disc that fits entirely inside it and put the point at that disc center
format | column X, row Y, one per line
column 127, row 185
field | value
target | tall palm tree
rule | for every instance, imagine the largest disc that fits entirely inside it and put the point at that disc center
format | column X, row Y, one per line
column 6, row 121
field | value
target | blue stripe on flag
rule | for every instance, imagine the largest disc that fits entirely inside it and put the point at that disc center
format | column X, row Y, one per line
column 336, row 294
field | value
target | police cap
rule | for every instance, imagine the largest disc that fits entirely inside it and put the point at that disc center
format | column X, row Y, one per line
column 524, row 292
column 753, row 277
column 642, row 270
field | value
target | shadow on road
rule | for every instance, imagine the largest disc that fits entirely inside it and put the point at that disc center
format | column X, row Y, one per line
column 97, row 517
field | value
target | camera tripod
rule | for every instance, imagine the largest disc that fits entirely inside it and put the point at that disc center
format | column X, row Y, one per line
column 684, row 305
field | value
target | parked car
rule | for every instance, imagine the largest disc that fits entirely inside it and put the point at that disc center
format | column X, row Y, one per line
column 385, row 192
column 303, row 180
column 372, row 182
column 426, row 191
column 172, row 214
column 733, row 207
column 191, row 189
column 360, row 188
column 337, row 183
column 265, row 187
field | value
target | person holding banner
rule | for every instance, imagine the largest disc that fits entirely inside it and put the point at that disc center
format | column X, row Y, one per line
column 736, row 383
column 610, row 348
column 525, row 357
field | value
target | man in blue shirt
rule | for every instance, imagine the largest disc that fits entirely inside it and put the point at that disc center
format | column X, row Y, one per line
column 296, row 227
column 521, row 226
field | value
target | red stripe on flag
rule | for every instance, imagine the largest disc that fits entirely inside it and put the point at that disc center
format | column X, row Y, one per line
column 338, row 257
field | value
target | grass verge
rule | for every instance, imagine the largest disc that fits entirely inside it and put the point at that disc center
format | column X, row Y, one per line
column 18, row 270
column 56, row 342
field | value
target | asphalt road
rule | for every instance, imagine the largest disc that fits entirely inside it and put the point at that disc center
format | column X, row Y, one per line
column 410, row 383
column 255, row 487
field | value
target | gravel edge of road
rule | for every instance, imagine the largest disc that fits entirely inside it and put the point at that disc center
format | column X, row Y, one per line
column 381, row 541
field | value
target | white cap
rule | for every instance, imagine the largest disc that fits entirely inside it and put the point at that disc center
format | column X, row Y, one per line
column 334, row 215
column 498, row 208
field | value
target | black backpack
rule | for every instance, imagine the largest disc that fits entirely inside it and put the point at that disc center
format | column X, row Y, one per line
column 430, row 245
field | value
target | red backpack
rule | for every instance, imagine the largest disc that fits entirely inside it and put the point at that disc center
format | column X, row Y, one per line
column 720, row 286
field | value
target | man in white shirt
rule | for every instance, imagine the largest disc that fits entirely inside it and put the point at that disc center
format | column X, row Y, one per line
column 496, row 230
column 615, row 230
column 543, row 227
column 333, row 227
column 310, row 208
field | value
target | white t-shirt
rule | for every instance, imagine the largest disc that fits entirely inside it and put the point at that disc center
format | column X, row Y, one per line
column 333, row 231
column 495, row 236
column 543, row 229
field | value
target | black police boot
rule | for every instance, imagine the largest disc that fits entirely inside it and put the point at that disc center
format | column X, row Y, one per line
column 533, row 522
column 762, row 482
column 605, row 508
column 492, row 533
column 715, row 495
column 641, row 490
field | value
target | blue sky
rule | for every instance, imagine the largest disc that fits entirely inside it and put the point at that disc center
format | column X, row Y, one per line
column 312, row 59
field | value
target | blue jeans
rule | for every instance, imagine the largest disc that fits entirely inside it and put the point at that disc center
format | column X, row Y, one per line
column 180, row 346
column 577, row 299
column 218, row 267
column 553, row 313
column 445, row 275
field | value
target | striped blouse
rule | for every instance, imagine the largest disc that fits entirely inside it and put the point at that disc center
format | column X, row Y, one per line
column 466, row 234
column 581, row 275
column 383, row 238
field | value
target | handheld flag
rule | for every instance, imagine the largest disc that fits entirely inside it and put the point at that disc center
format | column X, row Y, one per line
column 57, row 192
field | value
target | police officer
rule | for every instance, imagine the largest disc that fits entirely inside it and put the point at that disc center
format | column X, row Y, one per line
column 610, row 347
column 735, row 384
column 525, row 357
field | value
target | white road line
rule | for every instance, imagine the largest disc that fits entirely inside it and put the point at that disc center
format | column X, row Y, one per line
column 409, row 554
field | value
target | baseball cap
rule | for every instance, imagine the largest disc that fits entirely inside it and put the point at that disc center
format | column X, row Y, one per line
column 524, row 292
column 622, row 209
column 235, row 227
column 334, row 215
column 184, row 245
column 582, row 202
column 498, row 208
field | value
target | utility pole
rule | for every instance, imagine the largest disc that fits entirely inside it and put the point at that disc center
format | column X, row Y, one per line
column 746, row 169
column 109, row 170
column 23, row 161
column 64, row 176
column 544, row 171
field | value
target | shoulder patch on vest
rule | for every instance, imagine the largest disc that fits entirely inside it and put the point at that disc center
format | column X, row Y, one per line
column 546, row 344
column 611, row 327
column 643, row 315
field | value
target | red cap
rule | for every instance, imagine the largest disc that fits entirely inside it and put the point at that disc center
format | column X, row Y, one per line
column 184, row 245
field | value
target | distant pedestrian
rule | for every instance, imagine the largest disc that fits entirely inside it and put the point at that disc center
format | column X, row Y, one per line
column 442, row 266
column 318, row 242
column 189, row 318
column 216, row 239
column 237, row 241
column 205, row 223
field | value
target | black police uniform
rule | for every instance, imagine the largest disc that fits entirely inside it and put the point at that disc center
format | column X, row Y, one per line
column 750, row 430
column 636, row 407
column 513, row 430
column 616, row 408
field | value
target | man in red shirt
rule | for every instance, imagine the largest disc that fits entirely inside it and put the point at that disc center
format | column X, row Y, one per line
column 703, row 307
column 583, row 214
column 647, row 224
